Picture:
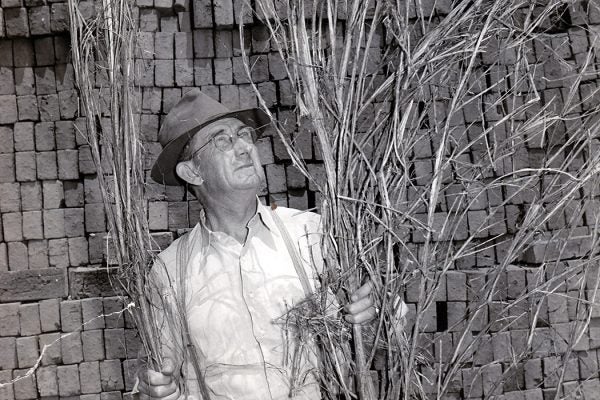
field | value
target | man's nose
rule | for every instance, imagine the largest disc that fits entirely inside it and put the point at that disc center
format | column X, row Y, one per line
column 241, row 146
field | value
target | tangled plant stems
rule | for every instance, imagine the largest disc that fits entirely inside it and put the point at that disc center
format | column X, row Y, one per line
column 378, row 82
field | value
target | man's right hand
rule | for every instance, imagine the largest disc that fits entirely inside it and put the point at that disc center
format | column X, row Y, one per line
column 159, row 385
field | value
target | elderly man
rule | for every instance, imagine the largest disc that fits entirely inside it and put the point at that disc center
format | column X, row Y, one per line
column 240, row 269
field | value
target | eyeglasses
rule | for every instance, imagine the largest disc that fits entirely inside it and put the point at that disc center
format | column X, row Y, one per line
column 224, row 141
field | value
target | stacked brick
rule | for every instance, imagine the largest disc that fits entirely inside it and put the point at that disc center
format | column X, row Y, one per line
column 85, row 349
column 53, row 282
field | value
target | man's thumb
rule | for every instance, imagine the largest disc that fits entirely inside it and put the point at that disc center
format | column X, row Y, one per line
column 168, row 366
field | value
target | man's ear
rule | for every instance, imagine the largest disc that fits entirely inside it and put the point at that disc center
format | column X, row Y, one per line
column 187, row 171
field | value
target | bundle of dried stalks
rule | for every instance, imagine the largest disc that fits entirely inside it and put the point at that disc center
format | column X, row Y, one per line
column 379, row 80
column 103, row 45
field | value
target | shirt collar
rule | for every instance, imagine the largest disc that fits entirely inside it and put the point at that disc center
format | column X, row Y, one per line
column 262, row 215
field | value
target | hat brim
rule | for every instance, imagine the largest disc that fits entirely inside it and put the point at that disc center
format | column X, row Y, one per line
column 163, row 170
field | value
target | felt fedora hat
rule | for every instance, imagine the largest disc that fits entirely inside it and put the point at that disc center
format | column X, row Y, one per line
column 194, row 111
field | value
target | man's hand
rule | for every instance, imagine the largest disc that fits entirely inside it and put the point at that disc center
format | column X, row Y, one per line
column 159, row 385
column 361, row 309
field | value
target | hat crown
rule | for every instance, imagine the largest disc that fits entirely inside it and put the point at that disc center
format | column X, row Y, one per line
column 194, row 109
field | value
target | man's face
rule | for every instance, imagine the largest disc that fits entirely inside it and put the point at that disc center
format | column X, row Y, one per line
column 231, row 169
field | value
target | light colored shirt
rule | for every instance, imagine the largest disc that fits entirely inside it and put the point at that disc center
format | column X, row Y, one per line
column 236, row 293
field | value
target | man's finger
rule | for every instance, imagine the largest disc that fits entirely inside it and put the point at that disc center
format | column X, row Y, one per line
column 360, row 305
column 362, row 317
column 170, row 391
column 168, row 366
column 154, row 378
column 362, row 291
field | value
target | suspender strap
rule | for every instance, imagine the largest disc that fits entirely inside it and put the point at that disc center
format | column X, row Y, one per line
column 293, row 251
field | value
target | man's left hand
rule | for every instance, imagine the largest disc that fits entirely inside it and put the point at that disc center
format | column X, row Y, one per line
column 361, row 308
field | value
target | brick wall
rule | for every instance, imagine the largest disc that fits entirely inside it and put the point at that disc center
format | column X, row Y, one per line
column 55, row 294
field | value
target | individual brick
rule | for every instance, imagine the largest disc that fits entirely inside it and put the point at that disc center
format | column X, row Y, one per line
column 93, row 345
column 111, row 375
column 591, row 389
column 32, row 225
column 29, row 319
column 203, row 44
column 39, row 21
column 17, row 256
column 68, row 164
column 203, row 14
column 70, row 315
column 92, row 311
column 184, row 46
column 223, row 11
column 259, row 68
column 24, row 385
column 133, row 344
column 276, row 178
column 65, row 75
column 59, row 17
column 65, row 135
column 47, row 381
column 148, row 20
column 16, row 22
column 492, row 380
column 23, row 136
column 50, row 348
column 94, row 218
column 260, row 39
column 113, row 312
column 12, row 225
column 7, row 82
column 28, row 108
column 7, row 168
column 10, row 199
column 68, row 380
column 31, row 196
column 472, row 382
column 184, row 72
column 230, row 96
column 49, row 107
column 6, row 389
column 164, row 45
column 8, row 105
column 86, row 163
column 203, row 72
column 71, row 348
column 533, row 373
column 130, row 368
column 45, row 80
column 456, row 282
column 27, row 351
column 25, row 166
column 89, row 377
column 8, row 355
column 54, row 223
column 74, row 222
column 145, row 44
column 46, row 165
column 23, row 53
column 68, row 103
column 242, row 13
column 277, row 67
column 223, row 71
column 74, row 194
column 58, row 253
column 50, row 315
column 158, row 215
column 78, row 251
column 164, row 73
column 9, row 319
column 114, row 342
